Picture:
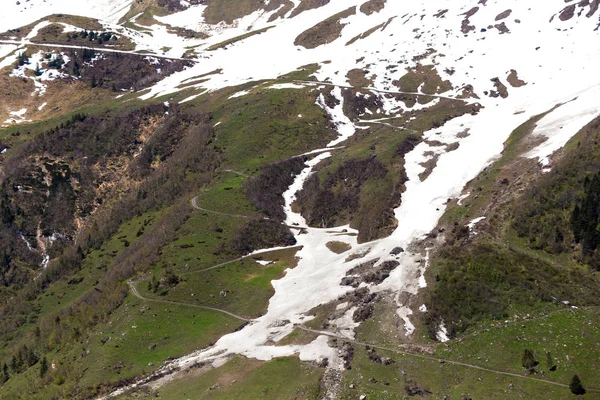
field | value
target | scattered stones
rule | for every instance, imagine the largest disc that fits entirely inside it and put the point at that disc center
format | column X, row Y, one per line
column 412, row 389
column 369, row 272
column 347, row 354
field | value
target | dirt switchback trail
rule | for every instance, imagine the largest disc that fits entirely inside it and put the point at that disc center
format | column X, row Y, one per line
column 100, row 49
column 175, row 303
column 436, row 359
column 194, row 202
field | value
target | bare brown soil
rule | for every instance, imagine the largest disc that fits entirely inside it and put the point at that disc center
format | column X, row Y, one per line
column 365, row 34
column 357, row 78
column 514, row 80
column 424, row 76
column 306, row 5
column 503, row 15
column 372, row 6
column 324, row 32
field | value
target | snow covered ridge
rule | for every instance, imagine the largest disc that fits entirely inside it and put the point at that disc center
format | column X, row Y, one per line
column 16, row 14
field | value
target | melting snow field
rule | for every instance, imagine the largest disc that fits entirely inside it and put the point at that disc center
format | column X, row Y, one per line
column 542, row 54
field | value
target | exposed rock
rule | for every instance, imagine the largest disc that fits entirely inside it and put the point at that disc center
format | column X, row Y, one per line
column 396, row 250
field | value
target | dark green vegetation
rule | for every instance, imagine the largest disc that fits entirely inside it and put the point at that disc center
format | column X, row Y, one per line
column 365, row 182
column 559, row 213
column 119, row 71
column 530, row 257
column 114, row 186
column 53, row 34
column 486, row 281
column 242, row 378
column 148, row 212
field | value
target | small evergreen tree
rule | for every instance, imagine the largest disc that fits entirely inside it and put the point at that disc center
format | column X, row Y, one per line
column 13, row 365
column 5, row 372
column 57, row 62
column 76, row 68
column 43, row 367
column 22, row 59
column 528, row 359
column 550, row 363
column 576, row 386
column 155, row 284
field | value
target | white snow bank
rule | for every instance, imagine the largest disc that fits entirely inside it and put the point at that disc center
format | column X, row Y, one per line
column 286, row 86
column 343, row 125
column 442, row 333
column 16, row 14
column 474, row 222
column 289, row 195
column 564, row 122
column 239, row 94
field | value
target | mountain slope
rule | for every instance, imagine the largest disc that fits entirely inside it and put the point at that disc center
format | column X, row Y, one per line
column 303, row 167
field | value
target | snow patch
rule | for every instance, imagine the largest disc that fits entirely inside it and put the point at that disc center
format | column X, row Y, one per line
column 442, row 333
column 287, row 86
column 564, row 122
column 239, row 94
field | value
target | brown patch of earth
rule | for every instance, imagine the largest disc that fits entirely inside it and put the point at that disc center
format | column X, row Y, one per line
column 513, row 79
column 372, row 6
column 503, row 15
column 425, row 77
column 338, row 247
column 501, row 89
column 325, row 31
column 567, row 12
column 287, row 7
column 365, row 34
column 357, row 78
column 306, row 5
column 429, row 166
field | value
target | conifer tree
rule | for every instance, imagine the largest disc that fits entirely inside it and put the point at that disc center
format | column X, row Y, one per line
column 576, row 386
column 43, row 367
column 528, row 359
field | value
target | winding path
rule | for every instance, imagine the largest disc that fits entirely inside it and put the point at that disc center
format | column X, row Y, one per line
column 194, row 203
column 361, row 343
column 22, row 43
column 176, row 303
column 372, row 89
column 437, row 359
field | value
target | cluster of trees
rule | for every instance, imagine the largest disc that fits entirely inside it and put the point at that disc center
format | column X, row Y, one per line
column 92, row 36
column 529, row 362
column 340, row 198
column 560, row 210
column 481, row 281
column 24, row 358
column 168, row 280
column 22, row 59
column 265, row 190
column 259, row 234
column 585, row 219
column 56, row 62
column 188, row 161
column 119, row 71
